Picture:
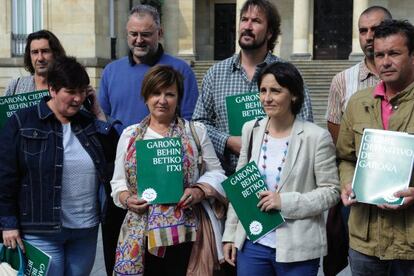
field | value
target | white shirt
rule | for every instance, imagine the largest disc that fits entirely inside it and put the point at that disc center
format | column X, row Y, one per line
column 80, row 208
column 274, row 155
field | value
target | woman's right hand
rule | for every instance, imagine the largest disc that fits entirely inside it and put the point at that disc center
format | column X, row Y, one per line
column 95, row 108
column 11, row 238
column 133, row 203
column 230, row 252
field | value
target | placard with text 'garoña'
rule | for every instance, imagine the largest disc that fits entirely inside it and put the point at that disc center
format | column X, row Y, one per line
column 159, row 170
column 242, row 189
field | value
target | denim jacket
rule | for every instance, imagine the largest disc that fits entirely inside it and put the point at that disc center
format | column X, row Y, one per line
column 31, row 165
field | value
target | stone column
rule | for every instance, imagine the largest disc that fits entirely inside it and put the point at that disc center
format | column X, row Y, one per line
column 84, row 30
column 239, row 5
column 359, row 7
column 5, row 28
column 186, row 30
column 301, row 16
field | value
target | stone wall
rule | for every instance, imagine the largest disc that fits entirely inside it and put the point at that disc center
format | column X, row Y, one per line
column 7, row 72
column 10, row 70
column 83, row 27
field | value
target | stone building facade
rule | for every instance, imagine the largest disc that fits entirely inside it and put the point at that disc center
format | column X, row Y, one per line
column 94, row 30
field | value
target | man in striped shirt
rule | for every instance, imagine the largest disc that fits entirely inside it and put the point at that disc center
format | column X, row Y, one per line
column 359, row 76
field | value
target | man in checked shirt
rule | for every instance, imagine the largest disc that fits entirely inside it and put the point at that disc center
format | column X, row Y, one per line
column 259, row 29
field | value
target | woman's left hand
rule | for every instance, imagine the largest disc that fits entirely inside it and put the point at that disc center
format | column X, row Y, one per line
column 269, row 201
column 11, row 239
column 190, row 197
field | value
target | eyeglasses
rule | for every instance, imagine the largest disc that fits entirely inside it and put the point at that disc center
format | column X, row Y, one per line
column 144, row 35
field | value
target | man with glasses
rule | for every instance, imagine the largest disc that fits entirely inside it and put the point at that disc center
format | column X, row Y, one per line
column 120, row 86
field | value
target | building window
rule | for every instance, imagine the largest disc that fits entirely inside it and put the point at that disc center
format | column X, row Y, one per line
column 27, row 18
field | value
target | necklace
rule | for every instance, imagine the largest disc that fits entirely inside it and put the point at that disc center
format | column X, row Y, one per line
column 166, row 132
column 264, row 156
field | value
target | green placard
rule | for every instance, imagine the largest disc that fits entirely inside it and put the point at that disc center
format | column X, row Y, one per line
column 242, row 189
column 38, row 262
column 9, row 104
column 384, row 166
column 242, row 108
column 160, row 170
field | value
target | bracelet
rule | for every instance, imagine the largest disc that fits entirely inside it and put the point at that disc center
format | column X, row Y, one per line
column 204, row 194
column 126, row 201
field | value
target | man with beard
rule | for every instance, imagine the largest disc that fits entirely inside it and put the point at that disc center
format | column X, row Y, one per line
column 259, row 29
column 359, row 76
column 42, row 47
column 121, row 81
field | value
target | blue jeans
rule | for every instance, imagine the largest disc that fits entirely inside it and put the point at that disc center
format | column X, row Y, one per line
column 72, row 250
column 260, row 260
column 362, row 264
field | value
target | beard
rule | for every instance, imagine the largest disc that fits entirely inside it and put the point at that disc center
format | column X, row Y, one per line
column 369, row 53
column 143, row 51
column 140, row 52
column 255, row 44
column 42, row 71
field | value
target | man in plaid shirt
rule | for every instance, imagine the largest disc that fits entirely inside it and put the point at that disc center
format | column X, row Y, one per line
column 259, row 29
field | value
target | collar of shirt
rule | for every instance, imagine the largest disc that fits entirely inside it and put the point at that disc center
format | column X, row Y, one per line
column 150, row 61
column 386, row 107
column 365, row 73
column 236, row 64
column 379, row 90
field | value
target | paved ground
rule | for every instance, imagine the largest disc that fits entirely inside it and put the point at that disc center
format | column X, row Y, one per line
column 99, row 267
column 345, row 272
